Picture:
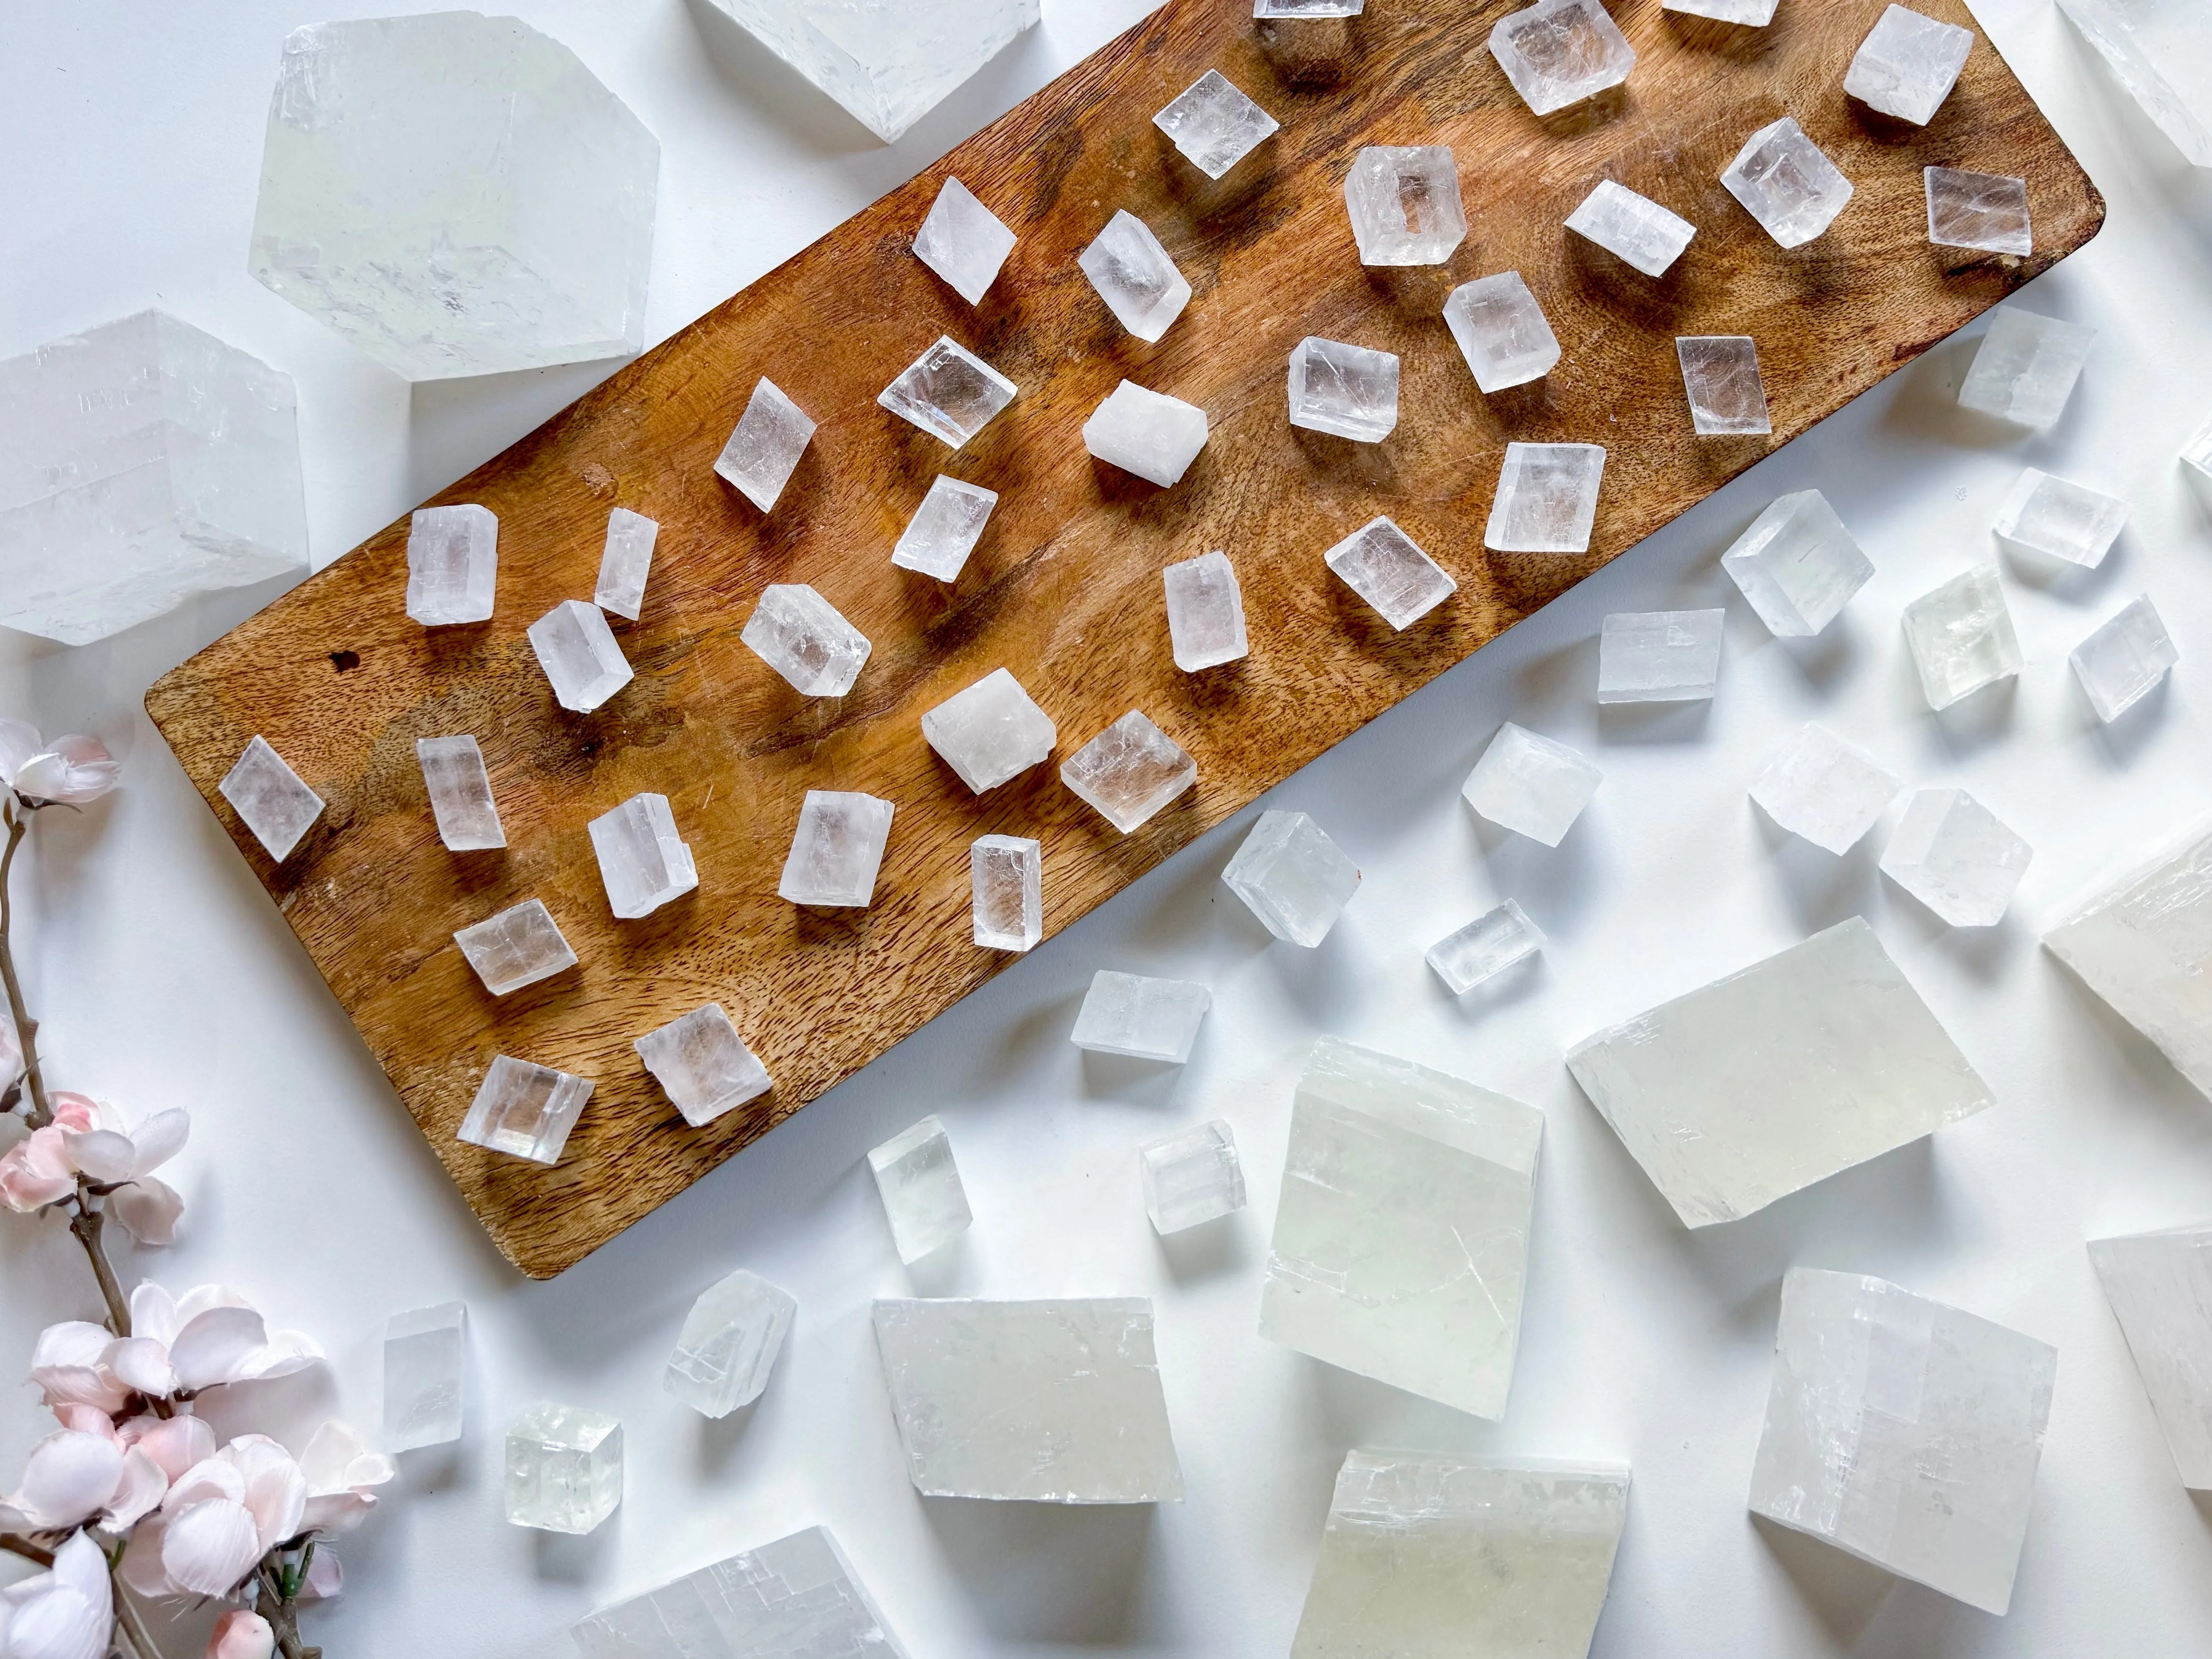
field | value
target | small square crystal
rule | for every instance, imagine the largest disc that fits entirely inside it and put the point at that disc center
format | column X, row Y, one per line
column 991, row 732
column 798, row 633
column 1659, row 656
column 518, row 946
column 1405, row 204
column 576, row 648
column 2121, row 662
column 425, row 1365
column 1961, row 637
column 1559, row 52
column 1134, row 275
column 2159, row 1285
column 1382, row 564
column 1785, row 183
column 270, row 799
column 1007, row 874
column 949, row 393
column 626, row 563
column 1633, row 227
column 564, row 1468
column 729, row 1344
column 702, row 1065
column 1292, row 877
column 1191, row 1177
column 763, row 450
column 1501, row 331
column 1823, row 789
column 1547, row 499
column 1720, row 373
column 460, row 793
column 1985, row 211
column 643, row 862
column 1343, row 389
column 524, row 1110
column 836, row 849
column 919, row 1185
column 1797, row 565
column 2064, row 520
column 2025, row 368
column 1952, row 853
column 964, row 242
column 1155, row 436
column 1215, row 125
column 1129, row 771
column 946, row 528
column 1205, row 612
column 1907, row 67
column 1144, row 1019
column 1485, row 948
column 1753, row 14
column 453, row 565
column 1530, row 785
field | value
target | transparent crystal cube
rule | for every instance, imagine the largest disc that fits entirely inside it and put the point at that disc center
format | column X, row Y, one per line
column 919, row 1185
column 1797, row 565
column 1501, row 331
column 460, row 793
column 1144, row 1019
column 1215, row 125
column 1754, row 14
column 643, row 862
column 1824, row 789
column 796, row 1598
column 626, row 563
column 1006, row 877
column 1786, row 183
column 1345, row 390
column 583, row 662
column 270, row 799
column 798, row 633
column 729, row 1344
column 1292, row 877
column 1985, row 211
column 2198, row 454
column 1720, row 373
column 1134, row 275
column 702, row 1065
column 1384, row 566
column 1908, row 66
column 1961, row 637
column 1659, row 656
column 964, row 242
column 518, row 946
column 1485, row 948
column 425, row 1368
column 2063, row 520
column 564, row 1468
column 1632, row 227
column 1952, row 853
column 1129, row 771
column 1530, row 785
column 949, row 393
column 1155, row 436
column 2157, row 48
column 1559, row 52
column 836, row 850
column 2120, row 663
column 945, row 529
column 524, row 1110
column 1191, row 1177
column 1405, row 204
column 765, row 446
column 991, row 732
column 1205, row 612
column 1547, row 500
column 452, row 564
column 2026, row 367
column 2159, row 1285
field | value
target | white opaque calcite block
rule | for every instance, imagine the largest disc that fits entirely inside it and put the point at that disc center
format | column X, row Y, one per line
column 1385, row 568
column 1754, row 14
column 945, row 529
column 1347, row 391
column 729, row 1344
column 1485, row 948
column 564, row 1468
column 271, row 799
column 1292, row 877
column 1205, row 612
column 1144, row 1019
column 1531, row 785
column 836, row 850
column 1155, row 436
column 1049, row 1402
column 1405, row 204
column 1547, row 500
column 2121, row 662
column 583, row 663
column 702, row 1065
column 1825, row 790
column 797, row 1598
column 1952, row 853
column 1659, row 656
column 1961, row 637
column 2157, row 49
column 2159, row 1285
column 2060, row 520
column 1986, row 212
column 1797, row 565
column 1308, row 8
column 1848, row 1063
column 452, row 564
column 990, row 733
column 1559, row 52
column 1720, row 374
column 518, row 946
column 1007, row 877
column 800, row 635
column 1191, row 1177
column 1633, row 227
column 1786, row 183
column 626, row 563
column 1904, row 1432
column 1501, row 331
column 964, row 242
column 1908, row 66
column 765, row 446
column 524, row 1110
column 920, row 1186
column 460, row 793
column 643, row 862
column 1129, row 771
column 1135, row 276
column 425, row 1371
column 949, row 393
column 2025, row 368
column 1215, row 125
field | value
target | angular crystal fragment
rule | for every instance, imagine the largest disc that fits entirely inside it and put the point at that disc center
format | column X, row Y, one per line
column 583, row 662
column 1797, row 565
column 1547, row 499
column 1754, row 14
column 1961, row 637
column 452, row 564
column 1134, row 275
column 919, row 1185
column 765, row 446
column 1501, row 331
column 2140, row 945
column 1904, row 1432
column 945, row 529
column 1952, row 853
column 836, row 850
column 626, row 563
column 1633, row 227
column 1292, row 877
column 1849, row 1064
column 1405, row 204
column 524, row 1110
column 425, row 1366
column 2157, row 49
column 1147, row 432
column 460, row 793
column 1007, row 874
column 1051, row 1403
column 1129, row 771
column 1823, row 789
column 1215, row 125
column 2159, row 1285
column 270, row 799
column 1908, row 66
column 1191, row 1177
column 1402, row 1239
column 1144, row 1019
column 1786, row 183
column 797, row 1598
column 2064, row 520
column 643, row 862
column 991, row 732
column 1659, row 656
column 798, row 633
column 1485, row 948
column 949, row 393
column 2197, row 457
column 1308, row 8
column 1382, row 564
column 1343, row 389
column 1720, row 373
column 729, row 1344
column 564, row 1468
column 1985, row 211
column 2026, row 367
column 1205, row 612
column 703, row 1065
column 1530, row 785
column 1559, row 52
column 518, row 946
column 2121, row 662
column 964, row 242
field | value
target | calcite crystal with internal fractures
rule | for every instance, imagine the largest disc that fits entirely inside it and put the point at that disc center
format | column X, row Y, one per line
column 1215, row 125
column 1956, row 857
column 460, row 793
column 425, row 1369
column 1205, row 612
column 797, row 1598
column 1308, row 8
column 1531, row 785
column 271, row 799
column 1292, row 877
column 1148, row 433
column 1485, row 948
column 990, row 733
column 1501, row 331
column 1720, row 374
column 564, row 1468
column 1797, row 565
column 2025, row 368
column 2196, row 455
column 643, row 862
column 2121, row 662
column 524, row 1110
column 1191, row 1177
column 945, row 529
column 1129, row 771
column 1559, row 52
column 518, row 946
column 1432, row 1555
column 765, row 446
column 1986, row 212
column 452, row 564
column 729, row 1344
column 1142, row 1017
column 1135, row 276
column 1659, row 656
column 964, row 242
column 1753, row 14
column 1387, row 567
column 2161, row 50
column 1850, row 1063
column 1786, row 183
column 1006, row 879
column 798, row 633
column 625, row 563
column 2060, row 520
column 702, row 1065
column 1961, row 637
column 1547, row 500
column 1904, row 1432
column 1632, row 228
column 583, row 662
column 949, row 393
column 836, row 849
column 1825, row 790
column 2159, row 1285
column 1049, row 1402
column 1346, row 391
column 1908, row 66
column 1402, row 1238
column 919, row 1185
column 1405, row 204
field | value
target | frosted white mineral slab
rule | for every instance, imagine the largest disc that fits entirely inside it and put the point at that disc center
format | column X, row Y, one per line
column 1428, row 1555
column 2120, row 663
column 1797, row 565
column 1659, row 656
column 991, row 732
column 1144, row 1019
column 583, row 662
column 1308, row 8
column 949, row 393
column 518, row 946
column 564, row 1468
column 2060, row 520
column 1405, row 204
column 1547, row 500
column 1985, row 211
column 1720, row 373
column 1501, row 331
column 1402, row 1239
column 1006, row 876
column 1755, row 14
column 425, row 1366
column 2026, row 367
column 1129, row 771
column 2159, row 1285
column 1205, row 612
column 964, row 242
column 271, row 799
column 765, row 446
column 2159, row 50
column 1485, row 948
column 626, row 563
column 460, row 793
column 1961, row 637
column 798, row 633
column 1633, row 227
column 1147, row 432
column 1292, row 877
column 1904, row 1432
column 945, row 529
column 1052, row 1402
column 1559, row 52
column 1531, row 785
column 797, row 1598
column 1908, row 66
column 836, row 850
column 919, row 1185
column 452, row 564
column 1215, row 125
column 455, row 194
column 702, row 1065
column 524, row 1110
column 1849, row 1064
column 1134, row 275
column 1823, row 789
column 1343, row 389
column 643, row 862
column 1956, row 857
column 729, row 1344
column 141, row 462
column 1786, row 183
column 1191, row 1177
column 1384, row 566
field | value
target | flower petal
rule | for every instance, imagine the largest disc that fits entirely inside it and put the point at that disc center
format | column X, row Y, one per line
column 210, row 1478
column 142, row 1568
column 198, row 1300
column 276, row 1491
column 139, row 1363
column 69, row 1478
column 330, row 1453
column 153, row 1313
column 241, row 1634
column 334, row 1512
column 175, row 1442
column 78, row 1112
column 285, row 1353
column 143, row 1485
column 326, row 1578
column 66, row 1613
column 67, row 1367
column 162, row 1136
column 207, row 1547
column 18, row 742
column 216, row 1345
column 148, row 1210
column 35, row 1171
column 103, row 1154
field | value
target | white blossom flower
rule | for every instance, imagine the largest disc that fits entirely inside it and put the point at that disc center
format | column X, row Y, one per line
column 83, row 1472
column 241, row 1634
column 220, row 1518
column 341, row 1472
column 69, row 1366
column 67, row 1612
column 209, row 1336
column 69, row 771
column 90, row 1138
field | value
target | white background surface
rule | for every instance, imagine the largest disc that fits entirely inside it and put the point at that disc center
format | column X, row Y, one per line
column 130, row 133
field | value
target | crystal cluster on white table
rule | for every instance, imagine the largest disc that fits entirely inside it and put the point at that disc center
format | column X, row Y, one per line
column 1387, row 567
column 2159, row 1285
column 564, row 1468
column 765, row 446
column 1753, row 14
column 1135, row 276
column 945, row 528
column 425, row 1369
column 1824, row 789
column 1205, row 612
column 583, row 662
column 1501, row 331
column 963, row 241
column 1191, row 1177
column 643, row 862
column 1787, row 182
column 460, row 793
column 836, row 849
column 1559, row 52
column 1908, row 64
column 800, row 635
column 1129, row 771
column 1405, row 204
column 1961, row 637
column 990, row 733
column 1049, row 1402
column 1956, row 857
column 949, row 393
column 1531, row 785
column 729, row 1344
column 524, row 1109
column 1215, row 125
column 1720, row 374
column 1142, row 1017
column 1797, row 565
column 1485, row 948
column 2121, row 662
column 797, row 1598
column 271, row 799
column 1147, row 433
column 1659, row 656
column 702, row 1064
column 1292, row 877
column 1985, row 211
column 2138, row 944
column 2156, row 48
column 452, row 564
column 1547, row 500
column 1632, row 228
column 1849, row 1064
column 1347, row 391
column 2025, row 369
column 2060, row 520
column 920, row 1186
column 520, row 946
column 625, row 563
column 1006, row 879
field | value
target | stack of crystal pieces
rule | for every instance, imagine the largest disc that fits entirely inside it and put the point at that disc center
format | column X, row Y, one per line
column 271, row 799
column 518, row 946
column 702, row 1065
column 1129, row 771
column 524, row 1110
column 1144, row 1019
column 576, row 648
column 797, row 1598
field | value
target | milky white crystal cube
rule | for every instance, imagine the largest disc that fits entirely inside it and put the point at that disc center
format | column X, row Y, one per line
column 1797, row 565
column 564, row 1468
column 1205, row 612
column 1292, row 877
column 1908, row 66
column 1402, row 1238
column 1134, row 275
column 1405, row 204
column 949, row 393
column 1904, row 1432
column 836, row 850
column 702, row 1065
column 2159, row 1285
column 425, row 1367
column 991, row 732
column 1308, row 8
column 518, row 946
column 1144, row 1019
column 1956, row 857
column 643, row 862
column 729, row 1344
column 1547, row 500
column 1343, row 389
column 1786, row 183
column 2060, row 520
column 1191, row 1177
column 1961, row 637
column 2121, row 662
column 626, row 563
column 1215, row 125
column 1530, row 785
column 964, row 242
column 1849, row 1064
column 797, row 1598
column 2158, row 48
column 1755, row 14
column 2025, row 368
column 1633, row 227
column 1485, row 948
column 460, row 793
column 1720, row 373
column 765, row 446
column 1006, row 876
column 920, row 1186
column 1501, row 331
column 1559, row 52
column 452, row 564
column 1147, row 432
column 1129, row 771
column 1384, row 566
column 524, row 1110
column 271, row 799
column 1823, row 789
column 1659, row 656
column 583, row 663
column 945, row 529
column 798, row 633
column 1985, row 211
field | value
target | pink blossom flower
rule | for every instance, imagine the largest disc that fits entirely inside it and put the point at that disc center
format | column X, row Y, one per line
column 83, row 1472
column 35, row 1171
column 341, row 1474
column 69, row 1366
column 67, row 1612
column 240, row 1634
column 106, row 1151
column 69, row 771
column 210, row 1336
column 173, row 1442
column 220, row 1518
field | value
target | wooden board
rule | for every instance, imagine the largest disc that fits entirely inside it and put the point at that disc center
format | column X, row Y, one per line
column 1065, row 589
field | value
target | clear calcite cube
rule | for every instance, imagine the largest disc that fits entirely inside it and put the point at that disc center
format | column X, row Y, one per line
column 1144, row 1019
column 1559, row 52
column 1382, row 564
column 271, row 799
column 455, row 194
column 1215, row 125
column 1149, row 434
column 765, row 446
column 1908, row 66
column 145, row 462
column 949, row 393
column 1343, row 389
column 452, row 564
column 1659, row 656
column 836, row 850
column 964, row 242
column 1005, row 874
column 1129, row 771
column 626, row 563
column 702, row 1065
column 991, row 732
column 1292, row 877
column 425, row 1367
column 583, row 662
column 2120, row 663
column 1191, row 1177
column 2197, row 455
column 2026, row 367
column 1531, row 785
column 1308, row 8
column 1720, row 374
column 1849, row 1064
column 1501, row 331
column 1134, row 275
column 518, row 946
column 1961, row 637
column 1797, row 565
column 1953, row 854
column 2140, row 946
column 945, row 529
column 1485, row 948
column 524, row 1110
column 1435, row 1556
column 1754, row 14
column 919, row 1185
column 798, row 633
column 1632, row 228
column 1405, row 204
column 1402, row 1238
column 2156, row 47
column 1547, row 500
column 1904, row 1432
column 1985, row 211
column 2159, row 1285
column 1823, row 789
column 460, row 793
column 643, row 862
column 2060, row 520
column 1049, row 1402
column 797, row 1598
column 1786, row 183
column 1205, row 612
column 564, row 1468
column 729, row 1344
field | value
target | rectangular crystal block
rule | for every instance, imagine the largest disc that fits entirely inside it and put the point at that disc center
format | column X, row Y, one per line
column 453, row 565
column 582, row 662
column 836, row 850
column 1049, row 1402
column 1849, row 1064
column 1953, row 854
column 1129, row 771
column 1821, row 787
column 1632, row 228
column 2140, row 945
column 2197, row 456
column 1797, row 565
column 1720, row 373
column 765, row 448
column 1547, row 499
column 1531, row 785
column 1292, row 877
column 518, row 946
column 1155, row 436
column 1753, row 14
column 1347, row 391
column 1205, row 612
column 919, row 1185
column 1659, row 656
column 2060, row 520
column 1501, row 331
column 425, row 1366
column 949, row 393
column 1908, row 66
column 524, row 1110
column 1405, row 204
column 1559, row 52
column 460, row 793
column 2159, row 1285
column 1191, row 1177
column 1308, row 8
column 963, row 241
column 1135, row 277
column 643, row 862
column 945, row 529
column 1382, row 564
column 2119, row 665
column 2157, row 49
column 1961, row 637
column 702, row 1065
column 990, row 733
column 797, row 1598
column 626, row 563
column 1144, row 1019
column 1485, row 948
column 729, row 1344
column 1985, row 211
column 1786, row 183
column 1400, row 1246
column 564, row 1468
column 271, row 799
column 2025, row 369
column 798, row 633
column 1215, row 125
column 1006, row 876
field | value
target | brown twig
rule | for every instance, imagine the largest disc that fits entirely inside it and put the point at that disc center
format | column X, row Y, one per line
column 13, row 813
column 15, row 1544
column 279, row 1607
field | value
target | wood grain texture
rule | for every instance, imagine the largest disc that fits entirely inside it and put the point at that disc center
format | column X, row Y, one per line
column 1065, row 588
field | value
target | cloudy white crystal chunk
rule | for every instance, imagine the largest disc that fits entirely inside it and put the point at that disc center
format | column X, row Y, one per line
column 964, row 242
column 518, row 946
column 643, row 862
column 729, row 1344
column 1347, row 391
column 1823, row 789
column 524, row 1110
column 564, row 1468
column 455, row 194
column 1144, row 1019
column 1129, row 771
column 1134, row 275
column 1849, row 1064
column 797, row 1598
column 1659, row 656
column 1308, row 8
column 2159, row 1285
column 920, row 1186
column 1051, row 1403
column 1191, row 1177
column 1531, row 785
column 2121, row 663
column 1908, row 66
column 583, row 662
column 1384, row 566
column 702, row 1065
column 460, row 793
column 1215, row 125
column 1006, row 876
column 1961, row 637
column 949, row 393
column 1501, row 331
column 1985, row 211
column 1756, row 14
column 425, row 1365
column 1956, row 857
column 946, row 528
column 140, row 463
column 1205, row 612
column 836, row 850
column 1292, row 877
column 991, row 732
column 1797, row 565
column 1405, row 204
column 271, row 799
column 798, row 633
column 626, row 563
column 1147, row 432
column 1720, row 373
column 765, row 446
column 2158, row 49
column 2060, row 520
column 1633, row 227
column 1786, row 183
column 1559, row 52
column 1904, row 1432
column 1547, row 500
column 2026, row 367
column 1402, row 1238
column 1430, row 1555
column 1485, row 948
column 452, row 564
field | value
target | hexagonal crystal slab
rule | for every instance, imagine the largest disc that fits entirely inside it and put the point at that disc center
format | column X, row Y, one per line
column 1908, row 66
column 1720, row 374
column 1547, row 500
column 920, row 1186
column 729, row 1344
column 1961, row 637
column 1191, row 1177
column 1385, row 568
column 1823, row 789
column 1952, row 854
column 2121, row 662
column 524, row 1110
column 765, row 446
column 1985, row 211
column 950, row 392
column 1659, row 656
column 1292, row 877
column 460, row 793
column 797, row 1598
column 1633, row 227
column 2151, row 47
column 1347, row 391
column 2060, row 520
column 2025, row 368
column 1485, row 948
column 564, row 1468
column 1205, row 612
column 1129, row 771
column 836, row 850
column 271, row 799
column 2159, row 1285
column 1134, row 275
column 945, row 529
column 626, row 563
column 1797, row 565
column 1006, row 877
column 643, row 862
column 425, row 1371
column 1559, row 52
column 990, row 733
column 453, row 565
column 1531, row 785
column 1143, row 1018
column 1786, row 183
column 1405, row 204
column 1215, row 125
column 798, row 633
column 1149, row 434
column 1501, row 331
column 702, row 1065
column 518, row 946
column 964, row 242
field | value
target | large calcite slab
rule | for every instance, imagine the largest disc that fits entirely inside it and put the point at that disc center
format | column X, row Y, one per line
column 1844, row 1062
column 797, row 1598
column 1402, row 1238
column 2159, row 1285
column 1054, row 1403
column 1432, row 1556
column 2161, row 49
column 455, row 194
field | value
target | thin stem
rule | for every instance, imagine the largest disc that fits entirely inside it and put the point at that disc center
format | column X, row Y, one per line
column 132, row 1623
column 281, row 1611
column 15, row 1544
column 27, row 1029
column 87, row 1223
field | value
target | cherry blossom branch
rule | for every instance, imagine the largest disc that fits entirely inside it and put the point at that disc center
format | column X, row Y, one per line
column 37, row 1554
column 17, row 818
column 278, row 1601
